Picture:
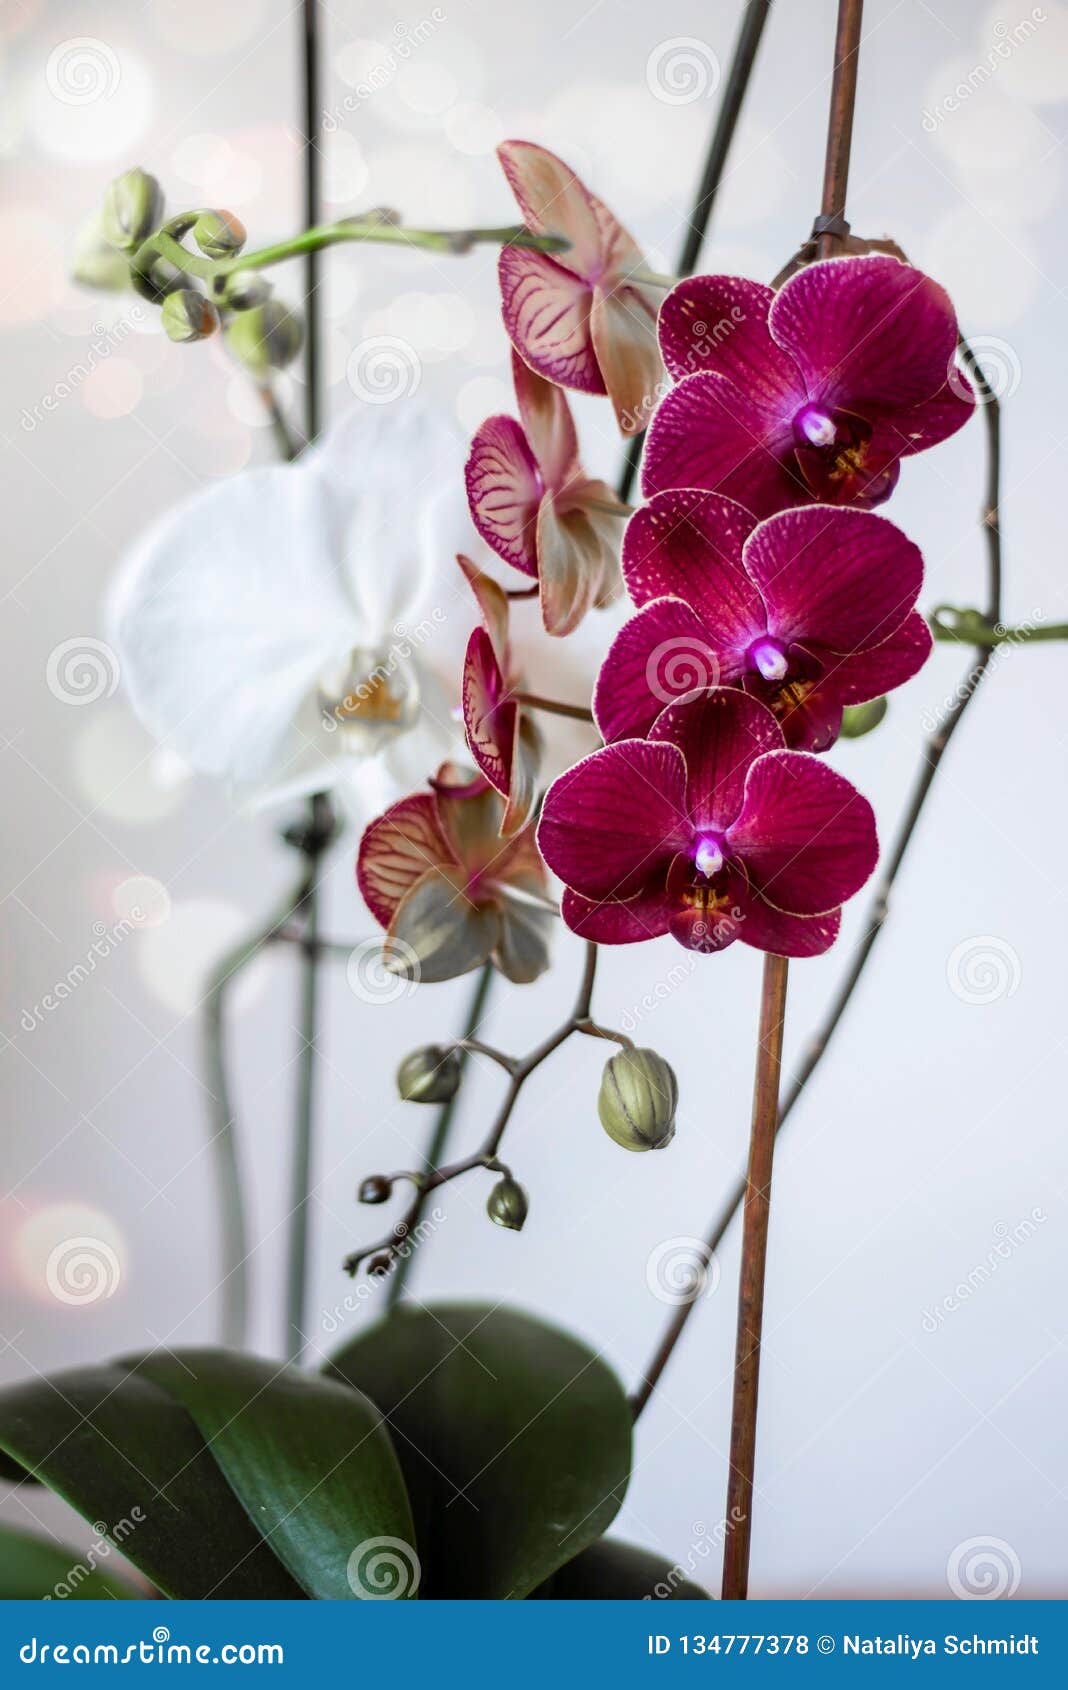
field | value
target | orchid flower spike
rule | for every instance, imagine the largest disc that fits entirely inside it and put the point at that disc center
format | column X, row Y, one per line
column 298, row 627
column 581, row 317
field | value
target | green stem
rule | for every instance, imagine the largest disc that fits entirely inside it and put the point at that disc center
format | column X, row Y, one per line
column 970, row 627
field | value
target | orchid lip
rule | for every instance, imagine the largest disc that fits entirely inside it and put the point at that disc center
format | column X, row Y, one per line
column 708, row 855
column 769, row 659
column 815, row 427
column 369, row 699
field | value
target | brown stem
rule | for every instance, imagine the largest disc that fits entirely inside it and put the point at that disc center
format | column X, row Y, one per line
column 840, row 126
column 751, row 1287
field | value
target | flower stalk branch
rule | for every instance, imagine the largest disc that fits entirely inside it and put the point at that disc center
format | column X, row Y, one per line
column 402, row 1236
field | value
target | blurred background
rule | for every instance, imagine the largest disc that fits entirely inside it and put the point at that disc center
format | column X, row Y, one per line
column 916, row 1367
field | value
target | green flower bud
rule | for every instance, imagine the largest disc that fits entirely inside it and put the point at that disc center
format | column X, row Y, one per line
column 133, row 209
column 266, row 338
column 859, row 719
column 187, row 315
column 376, row 1188
column 638, row 1098
column 507, row 1204
column 429, row 1075
column 219, row 234
column 245, row 289
column 96, row 263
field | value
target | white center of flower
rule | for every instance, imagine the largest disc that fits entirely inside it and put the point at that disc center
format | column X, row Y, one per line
column 816, row 426
column 370, row 698
column 769, row 660
column 708, row 856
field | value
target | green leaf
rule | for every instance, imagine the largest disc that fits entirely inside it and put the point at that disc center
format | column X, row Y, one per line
column 118, row 1448
column 32, row 1568
column 311, row 1462
column 514, row 1439
column 619, row 1572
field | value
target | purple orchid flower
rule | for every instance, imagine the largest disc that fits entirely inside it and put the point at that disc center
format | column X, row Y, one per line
column 812, row 393
column 532, row 501
column 809, row 611
column 710, row 830
column 501, row 735
column 579, row 317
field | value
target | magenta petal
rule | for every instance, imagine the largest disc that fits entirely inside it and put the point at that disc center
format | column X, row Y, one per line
column 721, row 323
column 553, row 200
column 720, row 733
column 805, row 834
column 899, row 433
column 489, row 716
column 615, row 922
column 504, row 491
column 866, row 328
column 707, row 433
column 661, row 654
column 871, row 673
column 833, row 576
column 612, row 821
column 768, row 929
column 814, row 722
column 396, row 850
column 687, row 544
column 547, row 315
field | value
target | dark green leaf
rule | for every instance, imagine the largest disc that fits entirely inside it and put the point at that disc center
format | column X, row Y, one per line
column 514, row 1439
column 120, row 1449
column 32, row 1568
column 310, row 1460
column 619, row 1572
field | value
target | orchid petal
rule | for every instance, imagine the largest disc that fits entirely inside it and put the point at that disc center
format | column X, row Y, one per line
column 504, row 490
column 899, row 433
column 662, row 653
column 866, row 328
column 492, row 602
column 720, row 733
column 805, row 834
column 397, row 850
column 571, row 566
column 611, row 822
column 833, row 576
column 871, row 673
column 554, row 202
column 687, row 544
column 522, row 950
column 616, row 922
column 549, row 425
column 708, row 433
column 721, row 323
column 767, row 929
column 623, row 329
column 437, row 932
column 546, row 311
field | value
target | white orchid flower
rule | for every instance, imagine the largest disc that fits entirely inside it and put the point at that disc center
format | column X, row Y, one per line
column 303, row 624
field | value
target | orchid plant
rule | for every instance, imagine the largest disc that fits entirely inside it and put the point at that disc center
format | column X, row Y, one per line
column 269, row 631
